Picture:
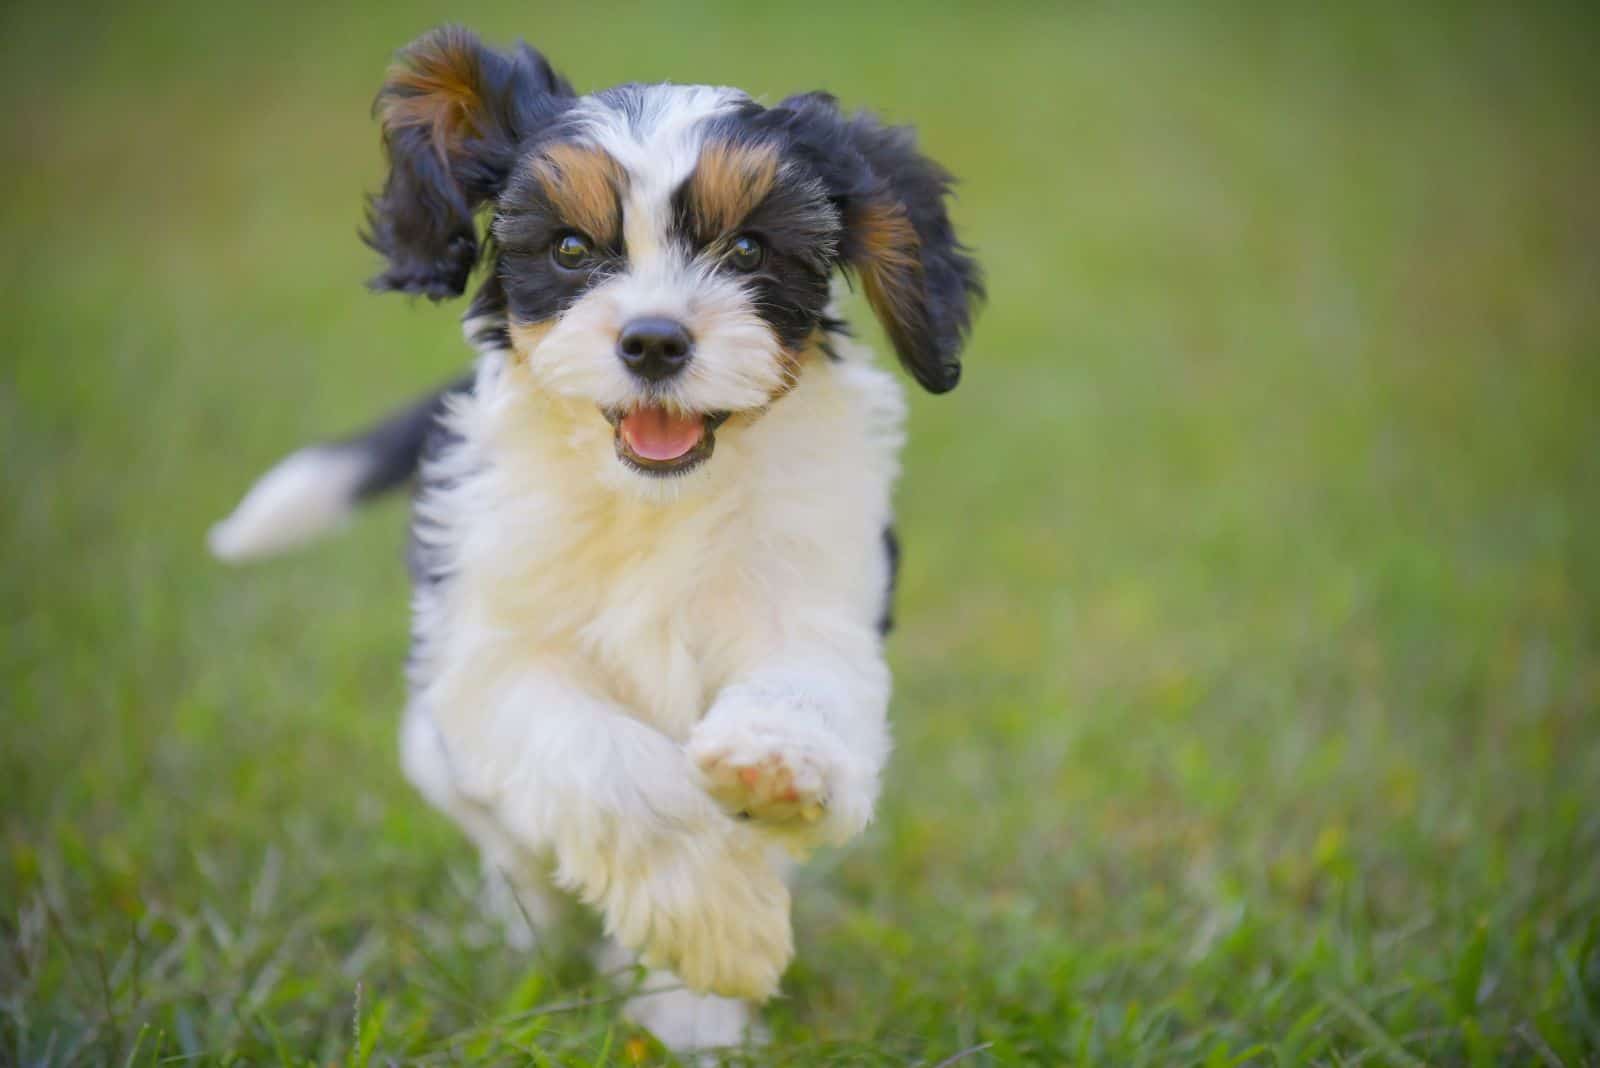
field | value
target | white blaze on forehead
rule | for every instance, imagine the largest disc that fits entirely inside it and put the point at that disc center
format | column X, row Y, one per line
column 657, row 140
column 655, row 134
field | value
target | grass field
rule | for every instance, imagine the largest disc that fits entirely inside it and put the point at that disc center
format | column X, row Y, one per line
column 1248, row 670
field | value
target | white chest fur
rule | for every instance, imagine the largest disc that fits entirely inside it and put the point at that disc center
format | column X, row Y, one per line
column 654, row 594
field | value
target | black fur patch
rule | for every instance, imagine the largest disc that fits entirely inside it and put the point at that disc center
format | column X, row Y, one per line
column 441, row 170
column 394, row 446
column 425, row 563
column 867, row 166
column 487, row 314
column 796, row 223
column 533, row 287
column 891, row 551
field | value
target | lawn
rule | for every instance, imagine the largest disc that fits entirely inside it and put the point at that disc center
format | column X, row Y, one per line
column 1248, row 661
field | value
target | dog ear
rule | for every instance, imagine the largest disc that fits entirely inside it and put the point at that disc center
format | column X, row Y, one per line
column 453, row 113
column 919, row 279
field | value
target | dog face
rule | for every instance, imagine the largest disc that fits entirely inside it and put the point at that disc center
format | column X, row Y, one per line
column 661, row 253
column 664, row 262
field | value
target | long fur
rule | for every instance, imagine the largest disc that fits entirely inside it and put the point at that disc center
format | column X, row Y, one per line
column 646, row 683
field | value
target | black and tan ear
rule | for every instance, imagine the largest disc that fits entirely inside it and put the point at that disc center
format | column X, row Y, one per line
column 920, row 280
column 453, row 113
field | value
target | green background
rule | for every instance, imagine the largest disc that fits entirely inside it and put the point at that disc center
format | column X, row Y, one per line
column 1248, row 670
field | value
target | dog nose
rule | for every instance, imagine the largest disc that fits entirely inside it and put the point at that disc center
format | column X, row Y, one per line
column 654, row 347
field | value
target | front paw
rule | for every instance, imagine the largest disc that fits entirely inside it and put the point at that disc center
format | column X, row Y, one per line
column 712, row 910
column 765, row 784
column 786, row 776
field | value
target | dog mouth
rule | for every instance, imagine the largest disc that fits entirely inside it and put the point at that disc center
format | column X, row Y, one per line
column 661, row 441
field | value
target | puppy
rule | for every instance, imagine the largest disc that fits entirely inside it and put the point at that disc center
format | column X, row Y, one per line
column 651, row 548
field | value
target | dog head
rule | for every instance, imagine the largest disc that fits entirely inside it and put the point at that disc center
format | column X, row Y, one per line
column 663, row 253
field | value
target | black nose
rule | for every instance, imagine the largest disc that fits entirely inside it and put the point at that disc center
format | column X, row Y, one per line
column 654, row 347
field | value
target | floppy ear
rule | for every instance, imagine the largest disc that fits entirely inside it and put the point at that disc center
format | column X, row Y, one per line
column 918, row 278
column 453, row 113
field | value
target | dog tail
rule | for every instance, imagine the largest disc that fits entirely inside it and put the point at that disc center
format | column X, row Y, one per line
column 313, row 490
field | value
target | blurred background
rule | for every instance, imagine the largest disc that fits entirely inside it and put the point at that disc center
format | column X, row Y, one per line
column 1248, row 661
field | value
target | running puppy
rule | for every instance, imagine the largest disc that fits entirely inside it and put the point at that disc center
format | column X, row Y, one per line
column 652, row 549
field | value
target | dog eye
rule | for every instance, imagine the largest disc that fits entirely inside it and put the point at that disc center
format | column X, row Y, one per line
column 570, row 251
column 746, row 253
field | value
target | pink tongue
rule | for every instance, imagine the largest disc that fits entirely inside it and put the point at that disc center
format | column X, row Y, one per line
column 656, row 434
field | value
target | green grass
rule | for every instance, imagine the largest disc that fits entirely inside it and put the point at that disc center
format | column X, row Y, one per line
column 1248, row 701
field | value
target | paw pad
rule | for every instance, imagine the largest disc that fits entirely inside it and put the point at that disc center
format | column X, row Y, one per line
column 764, row 785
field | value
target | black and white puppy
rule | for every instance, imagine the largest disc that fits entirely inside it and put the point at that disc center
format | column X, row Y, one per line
column 652, row 546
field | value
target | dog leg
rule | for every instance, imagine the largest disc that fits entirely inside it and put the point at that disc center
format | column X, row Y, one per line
column 519, row 900
column 683, row 1021
column 516, row 891
column 618, row 808
column 797, row 748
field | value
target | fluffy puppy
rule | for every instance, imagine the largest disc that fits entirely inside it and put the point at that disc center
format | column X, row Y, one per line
column 651, row 548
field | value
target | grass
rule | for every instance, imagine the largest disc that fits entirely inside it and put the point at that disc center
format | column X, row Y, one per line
column 1248, row 704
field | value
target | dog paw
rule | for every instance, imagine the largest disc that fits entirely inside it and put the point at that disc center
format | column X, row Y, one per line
column 761, row 779
column 695, row 1026
column 783, row 772
column 712, row 910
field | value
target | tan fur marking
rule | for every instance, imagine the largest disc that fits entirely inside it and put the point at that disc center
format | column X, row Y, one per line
column 891, row 266
column 525, row 337
column 792, row 361
column 728, row 183
column 583, row 183
column 436, row 86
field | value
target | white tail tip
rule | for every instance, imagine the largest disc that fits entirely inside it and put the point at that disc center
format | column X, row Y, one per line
column 307, row 493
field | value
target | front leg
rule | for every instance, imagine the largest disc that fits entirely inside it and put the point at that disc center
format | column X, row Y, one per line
column 631, row 832
column 796, row 745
